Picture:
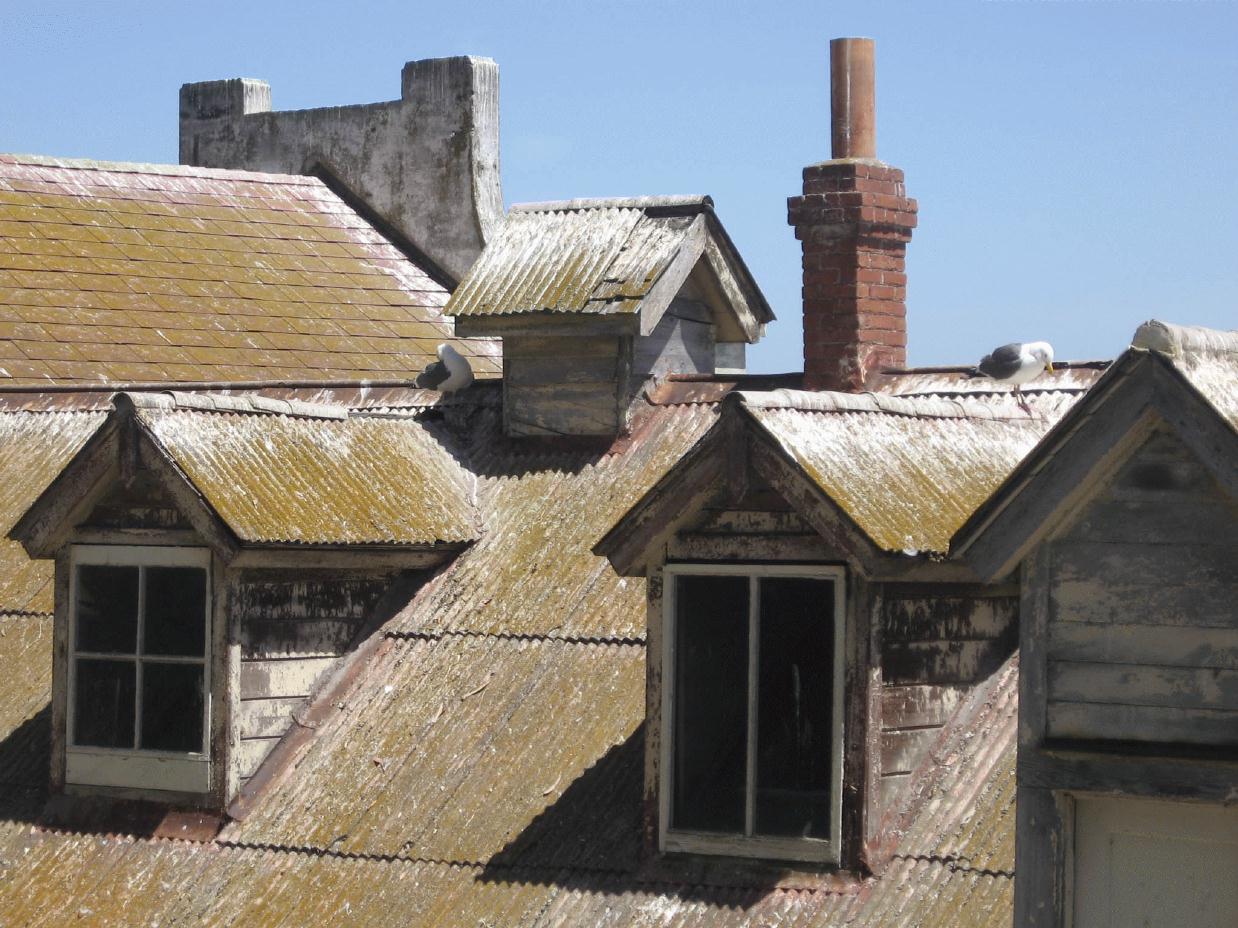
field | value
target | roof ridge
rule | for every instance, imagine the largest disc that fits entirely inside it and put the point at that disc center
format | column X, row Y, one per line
column 700, row 202
column 206, row 402
column 153, row 167
column 916, row 406
column 1186, row 342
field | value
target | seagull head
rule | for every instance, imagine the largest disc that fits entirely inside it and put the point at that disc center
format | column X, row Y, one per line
column 1042, row 351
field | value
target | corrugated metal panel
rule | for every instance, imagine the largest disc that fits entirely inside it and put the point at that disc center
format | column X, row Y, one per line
column 907, row 480
column 25, row 724
column 275, row 478
column 533, row 572
column 34, row 448
column 454, row 749
column 1071, row 376
column 600, row 260
column 140, row 273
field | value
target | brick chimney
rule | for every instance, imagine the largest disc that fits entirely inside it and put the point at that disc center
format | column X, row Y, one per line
column 853, row 221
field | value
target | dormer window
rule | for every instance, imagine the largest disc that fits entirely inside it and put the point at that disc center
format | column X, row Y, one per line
column 753, row 709
column 139, row 693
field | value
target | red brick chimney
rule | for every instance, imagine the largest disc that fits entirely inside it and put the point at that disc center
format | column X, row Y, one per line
column 854, row 222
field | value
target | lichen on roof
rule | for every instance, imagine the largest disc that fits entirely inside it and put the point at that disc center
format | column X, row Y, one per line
column 129, row 273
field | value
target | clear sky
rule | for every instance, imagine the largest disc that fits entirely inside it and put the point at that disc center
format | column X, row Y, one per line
column 1075, row 162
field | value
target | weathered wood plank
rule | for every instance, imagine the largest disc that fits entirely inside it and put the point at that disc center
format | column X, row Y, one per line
column 903, row 751
column 292, row 596
column 1135, row 774
column 918, row 706
column 690, row 546
column 268, row 679
column 1042, row 858
column 1144, row 644
column 1158, row 724
column 266, row 718
column 893, row 790
column 1152, row 519
column 949, row 618
column 751, row 522
column 678, row 344
column 1134, row 685
column 942, row 662
column 252, row 752
column 525, row 372
column 557, row 347
column 310, row 638
column 1180, row 585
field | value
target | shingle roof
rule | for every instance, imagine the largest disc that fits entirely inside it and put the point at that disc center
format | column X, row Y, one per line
column 153, row 273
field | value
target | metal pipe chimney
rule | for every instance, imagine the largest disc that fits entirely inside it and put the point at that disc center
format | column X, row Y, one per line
column 853, row 106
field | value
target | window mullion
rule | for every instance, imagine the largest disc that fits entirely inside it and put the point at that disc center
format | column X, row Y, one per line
column 753, row 657
column 138, row 652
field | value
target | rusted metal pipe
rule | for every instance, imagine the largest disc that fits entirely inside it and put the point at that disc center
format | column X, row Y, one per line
column 853, row 106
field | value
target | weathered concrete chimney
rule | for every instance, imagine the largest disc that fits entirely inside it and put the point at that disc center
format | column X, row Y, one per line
column 853, row 221
column 427, row 164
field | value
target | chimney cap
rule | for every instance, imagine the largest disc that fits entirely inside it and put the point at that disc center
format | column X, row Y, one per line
column 853, row 106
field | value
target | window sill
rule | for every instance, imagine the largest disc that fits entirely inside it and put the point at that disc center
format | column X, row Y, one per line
column 804, row 850
column 145, row 771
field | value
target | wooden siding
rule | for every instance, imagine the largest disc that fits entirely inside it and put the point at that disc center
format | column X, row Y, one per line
column 1143, row 635
column 293, row 627
column 142, row 504
column 937, row 643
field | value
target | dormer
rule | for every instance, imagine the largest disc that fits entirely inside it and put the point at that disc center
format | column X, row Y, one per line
column 217, row 558
column 592, row 298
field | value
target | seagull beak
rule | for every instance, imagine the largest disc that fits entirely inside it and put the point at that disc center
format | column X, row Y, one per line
column 1049, row 366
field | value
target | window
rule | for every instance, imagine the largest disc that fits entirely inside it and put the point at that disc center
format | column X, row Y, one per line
column 752, row 765
column 139, row 693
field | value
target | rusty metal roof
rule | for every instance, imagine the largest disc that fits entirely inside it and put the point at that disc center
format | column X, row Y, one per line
column 580, row 256
column 907, row 470
column 131, row 273
column 279, row 472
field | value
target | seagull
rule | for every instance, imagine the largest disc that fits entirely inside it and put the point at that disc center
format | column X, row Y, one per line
column 1016, row 364
column 449, row 373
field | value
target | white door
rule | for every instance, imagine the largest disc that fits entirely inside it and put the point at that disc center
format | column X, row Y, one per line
column 1144, row 864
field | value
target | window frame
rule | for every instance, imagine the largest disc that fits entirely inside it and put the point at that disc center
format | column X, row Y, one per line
column 815, row 850
column 138, row 768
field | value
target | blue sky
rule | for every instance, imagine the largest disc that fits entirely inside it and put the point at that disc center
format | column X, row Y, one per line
column 1074, row 161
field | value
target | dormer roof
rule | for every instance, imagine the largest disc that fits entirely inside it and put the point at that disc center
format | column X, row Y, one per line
column 616, row 261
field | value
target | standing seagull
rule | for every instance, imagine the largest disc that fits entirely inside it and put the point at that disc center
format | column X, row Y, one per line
column 1016, row 364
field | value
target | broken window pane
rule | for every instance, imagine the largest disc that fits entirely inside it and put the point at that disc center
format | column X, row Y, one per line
column 795, row 707
column 175, row 611
column 711, row 703
column 107, row 609
column 172, row 707
column 103, row 703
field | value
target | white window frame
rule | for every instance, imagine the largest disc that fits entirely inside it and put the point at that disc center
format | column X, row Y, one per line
column 815, row 850
column 136, row 768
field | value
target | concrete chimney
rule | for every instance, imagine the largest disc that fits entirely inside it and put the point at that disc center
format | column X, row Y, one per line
column 426, row 165
column 854, row 221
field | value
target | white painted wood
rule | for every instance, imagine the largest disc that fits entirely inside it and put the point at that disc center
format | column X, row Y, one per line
column 1154, row 724
column 270, row 679
column 1136, row 685
column 146, row 770
column 266, row 718
column 1154, row 864
column 251, row 753
column 1144, row 644
column 903, row 751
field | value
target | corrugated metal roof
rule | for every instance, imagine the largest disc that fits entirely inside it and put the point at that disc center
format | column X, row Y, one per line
column 453, row 749
column 907, row 471
column 594, row 260
column 142, row 273
column 34, row 448
column 292, row 478
column 1208, row 358
column 533, row 571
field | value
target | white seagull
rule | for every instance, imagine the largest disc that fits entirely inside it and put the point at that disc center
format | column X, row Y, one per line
column 1016, row 364
column 449, row 373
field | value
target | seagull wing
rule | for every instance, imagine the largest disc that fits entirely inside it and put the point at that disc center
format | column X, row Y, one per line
column 1004, row 362
column 434, row 375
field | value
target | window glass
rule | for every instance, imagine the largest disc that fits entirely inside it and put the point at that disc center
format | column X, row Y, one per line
column 175, row 611
column 103, row 710
column 171, row 707
column 794, row 707
column 711, row 703
column 107, row 609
